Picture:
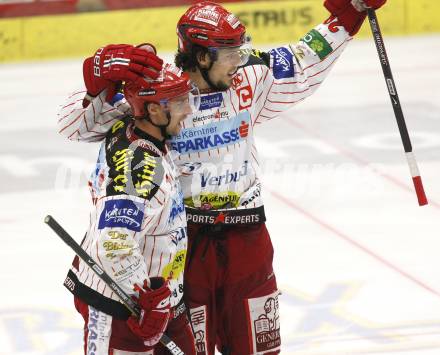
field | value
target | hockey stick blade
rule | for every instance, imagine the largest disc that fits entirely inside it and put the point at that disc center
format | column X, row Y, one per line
column 395, row 102
column 125, row 299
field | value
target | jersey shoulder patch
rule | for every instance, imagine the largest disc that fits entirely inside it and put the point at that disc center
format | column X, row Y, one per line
column 134, row 168
column 283, row 63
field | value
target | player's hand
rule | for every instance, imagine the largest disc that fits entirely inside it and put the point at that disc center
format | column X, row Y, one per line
column 115, row 63
column 351, row 13
column 155, row 311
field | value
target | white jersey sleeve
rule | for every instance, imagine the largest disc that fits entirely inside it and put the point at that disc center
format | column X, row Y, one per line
column 89, row 124
column 293, row 72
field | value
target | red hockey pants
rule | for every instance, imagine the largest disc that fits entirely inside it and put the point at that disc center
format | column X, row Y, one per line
column 231, row 290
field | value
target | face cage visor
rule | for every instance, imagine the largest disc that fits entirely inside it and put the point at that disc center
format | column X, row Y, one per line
column 185, row 104
column 233, row 56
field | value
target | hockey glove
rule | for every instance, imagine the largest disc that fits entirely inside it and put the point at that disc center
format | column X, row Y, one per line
column 155, row 311
column 119, row 62
column 351, row 13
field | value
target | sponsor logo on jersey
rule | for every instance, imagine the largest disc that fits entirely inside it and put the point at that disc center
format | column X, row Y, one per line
column 211, row 101
column 256, row 193
column 178, row 235
column 208, row 201
column 283, row 66
column 177, row 207
column 122, row 162
column 218, row 115
column 113, row 248
column 121, row 213
column 175, row 268
column 145, row 177
column 138, row 180
column 226, row 178
column 117, row 125
column 213, row 135
column 317, row 43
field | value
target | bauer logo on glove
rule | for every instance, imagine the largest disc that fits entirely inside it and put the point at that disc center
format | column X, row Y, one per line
column 115, row 63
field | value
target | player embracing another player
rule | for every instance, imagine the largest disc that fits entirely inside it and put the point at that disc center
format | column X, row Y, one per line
column 137, row 230
column 230, row 286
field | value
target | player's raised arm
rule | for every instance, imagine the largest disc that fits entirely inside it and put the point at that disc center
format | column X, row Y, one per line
column 89, row 113
column 291, row 73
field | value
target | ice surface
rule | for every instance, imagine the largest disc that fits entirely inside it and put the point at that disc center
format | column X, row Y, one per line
column 356, row 258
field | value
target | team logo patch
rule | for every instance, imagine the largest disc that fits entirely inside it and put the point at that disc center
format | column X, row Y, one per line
column 265, row 323
column 121, row 213
column 283, row 66
column 213, row 135
column 317, row 43
column 211, row 101
column 237, row 80
column 198, row 322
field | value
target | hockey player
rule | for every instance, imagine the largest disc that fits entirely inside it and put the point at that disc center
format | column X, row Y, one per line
column 230, row 286
column 137, row 230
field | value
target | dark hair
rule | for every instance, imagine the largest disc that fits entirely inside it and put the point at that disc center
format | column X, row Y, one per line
column 187, row 61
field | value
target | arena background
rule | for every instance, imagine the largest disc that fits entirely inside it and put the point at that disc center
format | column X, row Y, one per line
column 80, row 32
column 356, row 258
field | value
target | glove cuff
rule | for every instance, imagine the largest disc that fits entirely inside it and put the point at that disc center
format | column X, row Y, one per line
column 347, row 15
column 352, row 19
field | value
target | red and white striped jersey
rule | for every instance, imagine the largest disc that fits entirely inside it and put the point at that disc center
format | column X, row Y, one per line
column 217, row 156
column 138, row 224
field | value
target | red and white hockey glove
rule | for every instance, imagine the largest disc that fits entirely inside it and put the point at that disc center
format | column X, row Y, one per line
column 155, row 311
column 115, row 63
column 351, row 13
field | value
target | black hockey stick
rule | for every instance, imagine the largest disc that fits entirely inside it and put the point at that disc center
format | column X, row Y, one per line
column 392, row 90
column 126, row 300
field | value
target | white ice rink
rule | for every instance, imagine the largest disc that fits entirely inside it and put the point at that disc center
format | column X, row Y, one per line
column 357, row 260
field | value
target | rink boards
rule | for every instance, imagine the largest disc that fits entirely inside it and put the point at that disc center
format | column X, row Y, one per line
column 77, row 35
